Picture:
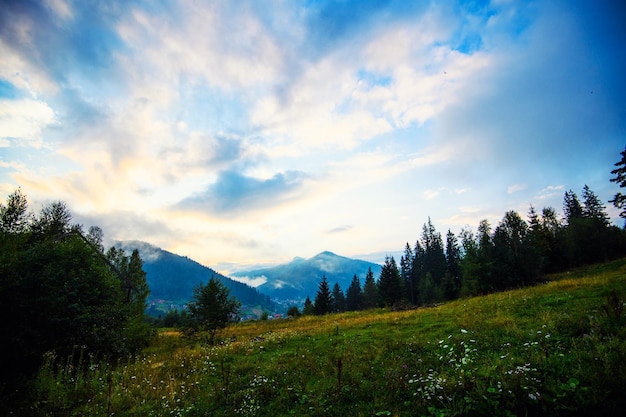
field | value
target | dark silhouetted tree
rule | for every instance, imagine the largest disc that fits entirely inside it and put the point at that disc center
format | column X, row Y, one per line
column 453, row 277
column 619, row 200
column 406, row 272
column 323, row 300
column 390, row 284
column 354, row 295
column 370, row 291
column 339, row 299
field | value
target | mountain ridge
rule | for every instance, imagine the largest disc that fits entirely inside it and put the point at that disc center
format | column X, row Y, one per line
column 172, row 279
column 300, row 277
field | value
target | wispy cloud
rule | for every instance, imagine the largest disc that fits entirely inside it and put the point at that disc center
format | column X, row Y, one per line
column 512, row 189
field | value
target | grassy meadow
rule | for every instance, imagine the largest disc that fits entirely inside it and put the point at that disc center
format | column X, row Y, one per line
column 553, row 349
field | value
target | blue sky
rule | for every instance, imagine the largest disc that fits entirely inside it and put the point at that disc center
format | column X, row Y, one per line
column 241, row 133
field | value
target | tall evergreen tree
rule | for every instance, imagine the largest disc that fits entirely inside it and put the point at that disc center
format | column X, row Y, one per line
column 452, row 281
column 370, row 291
column 593, row 208
column 434, row 260
column 406, row 272
column 619, row 200
column 572, row 209
column 418, row 271
column 339, row 299
column 323, row 300
column 470, row 263
column 513, row 263
column 390, row 284
column 354, row 295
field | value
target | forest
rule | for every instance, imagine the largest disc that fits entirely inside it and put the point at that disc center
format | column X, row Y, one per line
column 513, row 254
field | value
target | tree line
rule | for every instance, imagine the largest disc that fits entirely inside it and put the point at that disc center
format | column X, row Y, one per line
column 514, row 254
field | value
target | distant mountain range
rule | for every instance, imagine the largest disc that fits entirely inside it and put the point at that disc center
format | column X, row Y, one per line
column 172, row 278
column 301, row 277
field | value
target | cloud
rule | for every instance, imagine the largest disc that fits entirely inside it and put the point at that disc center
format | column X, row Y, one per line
column 511, row 189
column 253, row 282
column 340, row 229
column 24, row 120
column 233, row 193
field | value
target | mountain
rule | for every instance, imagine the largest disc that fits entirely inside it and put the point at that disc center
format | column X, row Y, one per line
column 301, row 277
column 172, row 278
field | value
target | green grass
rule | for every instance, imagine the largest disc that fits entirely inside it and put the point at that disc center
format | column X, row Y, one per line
column 553, row 349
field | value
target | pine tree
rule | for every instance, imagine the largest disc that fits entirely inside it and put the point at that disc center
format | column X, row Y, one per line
column 354, row 295
column 307, row 308
column 406, row 271
column 434, row 259
column 370, row 291
column 390, row 283
column 572, row 209
column 339, row 299
column 452, row 281
column 324, row 299
column 593, row 207
column 619, row 200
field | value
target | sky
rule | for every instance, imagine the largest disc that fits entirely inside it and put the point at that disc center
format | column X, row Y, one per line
column 246, row 133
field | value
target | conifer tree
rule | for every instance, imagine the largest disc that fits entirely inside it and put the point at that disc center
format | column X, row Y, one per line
column 354, row 295
column 572, row 209
column 390, row 283
column 452, row 281
column 324, row 299
column 406, row 271
column 593, row 208
column 339, row 299
column 619, row 200
column 308, row 309
column 370, row 291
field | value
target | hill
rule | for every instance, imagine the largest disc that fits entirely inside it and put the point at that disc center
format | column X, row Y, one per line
column 172, row 278
column 555, row 349
column 301, row 277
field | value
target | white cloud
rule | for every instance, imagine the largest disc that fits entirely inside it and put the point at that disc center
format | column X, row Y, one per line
column 24, row 120
column 60, row 8
column 511, row 189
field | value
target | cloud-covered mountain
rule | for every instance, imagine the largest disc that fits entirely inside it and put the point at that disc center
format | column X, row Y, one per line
column 172, row 278
column 301, row 277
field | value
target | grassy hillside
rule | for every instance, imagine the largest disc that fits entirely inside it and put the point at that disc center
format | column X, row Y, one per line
column 553, row 349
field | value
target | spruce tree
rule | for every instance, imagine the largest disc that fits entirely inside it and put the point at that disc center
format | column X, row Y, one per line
column 324, row 299
column 390, row 284
column 354, row 295
column 370, row 291
column 619, row 200
column 339, row 299
column 307, row 308
column 452, row 281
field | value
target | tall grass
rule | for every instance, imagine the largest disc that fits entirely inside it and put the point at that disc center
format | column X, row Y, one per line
column 554, row 349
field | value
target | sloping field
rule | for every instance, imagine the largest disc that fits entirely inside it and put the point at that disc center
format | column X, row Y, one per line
column 554, row 349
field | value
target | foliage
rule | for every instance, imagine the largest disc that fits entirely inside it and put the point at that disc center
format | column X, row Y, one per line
column 619, row 200
column 212, row 308
column 58, row 290
column 548, row 349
